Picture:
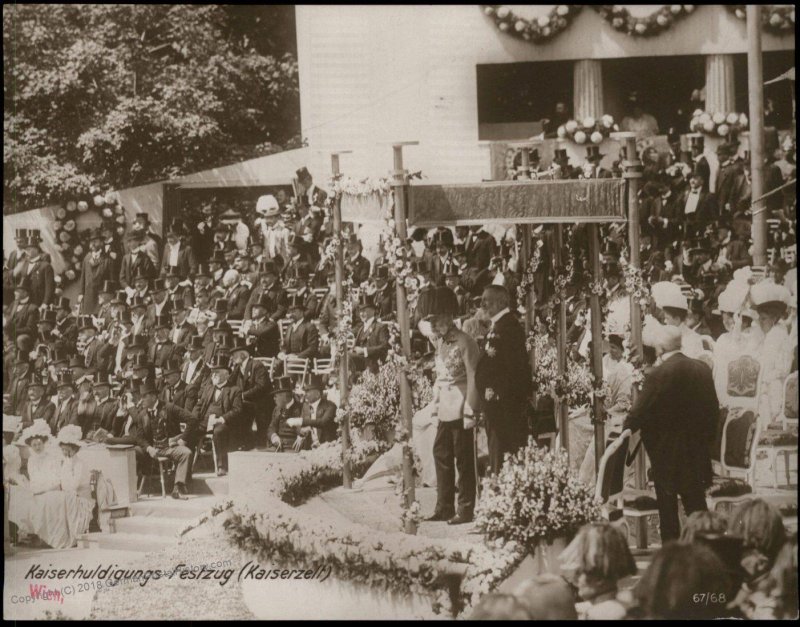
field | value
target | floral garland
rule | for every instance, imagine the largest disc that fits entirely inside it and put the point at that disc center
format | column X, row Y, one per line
column 534, row 30
column 265, row 524
column 718, row 124
column 526, row 282
column 74, row 244
column 774, row 18
column 620, row 18
column 589, row 129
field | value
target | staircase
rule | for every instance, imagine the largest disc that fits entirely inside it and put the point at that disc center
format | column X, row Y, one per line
column 153, row 523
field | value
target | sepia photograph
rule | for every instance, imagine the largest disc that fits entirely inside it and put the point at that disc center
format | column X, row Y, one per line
column 399, row 312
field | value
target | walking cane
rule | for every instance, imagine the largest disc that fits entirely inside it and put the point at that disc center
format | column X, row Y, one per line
column 475, row 459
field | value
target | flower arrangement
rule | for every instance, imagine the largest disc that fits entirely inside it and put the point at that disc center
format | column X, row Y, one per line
column 778, row 19
column 588, row 130
column 535, row 498
column 620, row 18
column 718, row 124
column 536, row 30
column 526, row 283
column 573, row 388
column 361, row 187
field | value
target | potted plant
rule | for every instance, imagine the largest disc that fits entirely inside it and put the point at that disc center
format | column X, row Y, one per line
column 537, row 502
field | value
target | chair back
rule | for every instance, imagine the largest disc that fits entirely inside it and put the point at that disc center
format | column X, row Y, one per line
column 743, row 382
column 236, row 326
column 739, row 441
column 790, row 402
column 323, row 365
column 716, row 447
column 298, row 367
column 611, row 473
column 283, row 325
column 320, row 292
column 268, row 362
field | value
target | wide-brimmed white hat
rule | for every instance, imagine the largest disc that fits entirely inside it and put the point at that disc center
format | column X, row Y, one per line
column 651, row 330
column 39, row 429
column 669, row 294
column 268, row 206
column 732, row 299
column 70, row 434
column 768, row 295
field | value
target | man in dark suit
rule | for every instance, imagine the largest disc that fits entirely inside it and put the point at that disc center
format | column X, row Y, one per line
column 174, row 389
column 252, row 378
column 298, row 281
column 97, row 356
column 385, row 293
column 136, row 261
column 96, row 269
column 195, row 372
column 281, row 434
column 326, row 312
column 699, row 163
column 106, row 406
column 503, row 378
column 262, row 332
column 39, row 272
column 162, row 348
column 23, row 315
column 372, row 337
column 38, row 405
column 181, row 331
column 268, row 284
column 317, row 421
column 165, row 436
column 480, row 247
column 311, row 196
column 302, row 338
column 219, row 411
column 699, row 207
column 66, row 412
column 676, row 413
column 356, row 265
column 237, row 294
column 66, row 329
column 177, row 253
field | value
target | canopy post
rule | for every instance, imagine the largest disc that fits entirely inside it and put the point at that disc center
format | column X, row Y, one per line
column 755, row 84
column 399, row 185
column 597, row 347
column 561, row 343
column 347, row 478
column 633, row 175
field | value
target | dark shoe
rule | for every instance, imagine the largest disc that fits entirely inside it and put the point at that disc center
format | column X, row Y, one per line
column 460, row 519
column 176, row 494
column 222, row 472
column 180, row 487
column 439, row 517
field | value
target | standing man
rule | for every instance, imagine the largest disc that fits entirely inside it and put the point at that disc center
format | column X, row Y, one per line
column 252, row 378
column 96, row 269
column 677, row 414
column 503, row 378
column 39, row 272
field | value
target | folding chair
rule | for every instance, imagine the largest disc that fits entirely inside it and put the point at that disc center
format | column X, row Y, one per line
column 296, row 367
column 236, row 326
column 283, row 325
column 323, row 365
column 207, row 437
column 320, row 292
column 165, row 468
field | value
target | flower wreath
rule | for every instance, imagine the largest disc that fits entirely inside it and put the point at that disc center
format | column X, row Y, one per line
column 74, row 244
column 589, row 129
column 656, row 23
column 775, row 19
column 536, row 30
column 718, row 124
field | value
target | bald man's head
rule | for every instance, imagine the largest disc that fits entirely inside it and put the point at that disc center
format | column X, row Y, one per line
column 495, row 299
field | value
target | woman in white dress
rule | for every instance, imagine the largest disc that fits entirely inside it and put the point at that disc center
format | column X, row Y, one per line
column 733, row 342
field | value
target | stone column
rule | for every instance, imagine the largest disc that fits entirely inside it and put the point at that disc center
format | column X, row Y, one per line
column 587, row 88
column 720, row 93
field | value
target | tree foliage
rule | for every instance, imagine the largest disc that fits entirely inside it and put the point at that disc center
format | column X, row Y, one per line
column 119, row 95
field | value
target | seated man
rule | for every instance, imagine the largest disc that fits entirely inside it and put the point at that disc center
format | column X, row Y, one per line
column 281, row 434
column 317, row 421
column 262, row 331
column 301, row 339
column 38, row 405
column 174, row 388
column 219, row 411
column 162, row 349
column 252, row 378
column 163, row 435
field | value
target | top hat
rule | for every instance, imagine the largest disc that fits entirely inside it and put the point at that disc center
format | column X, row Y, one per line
column 147, row 386
column 202, row 271
column 120, row 298
column 64, row 378
column 459, row 249
column 100, row 379
column 615, row 340
column 62, row 304
column 177, row 303
column 222, row 327
column 225, row 343
column 20, row 234
column 240, row 344
column 48, row 315
column 381, row 272
column 220, row 361
column 296, row 301
column 172, row 366
column 560, row 155
column 39, row 380
column 451, row 269
column 282, row 384
column 303, row 172
column 218, row 256
column 196, row 343
column 60, row 355
column 300, row 271
column 264, row 301
column 314, row 382
column 173, row 272
column 593, row 153
column 695, row 140
column 141, row 273
column 612, row 269
column 438, row 237
column 162, row 321
column 109, row 287
column 137, row 340
column 140, row 361
column 85, row 322
column 418, row 266
column 220, row 305
column 138, row 301
column 366, row 300
column 268, row 267
column 159, row 285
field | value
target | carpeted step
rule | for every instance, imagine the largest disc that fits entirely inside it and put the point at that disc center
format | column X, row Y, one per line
column 150, row 525
column 125, row 541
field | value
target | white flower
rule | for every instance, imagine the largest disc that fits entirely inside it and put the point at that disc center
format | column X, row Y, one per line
column 503, row 12
column 723, row 130
column 580, row 137
column 72, row 206
column 732, row 118
column 99, row 200
column 571, row 126
column 488, row 10
column 83, row 206
column 688, row 8
column 640, row 27
column 675, row 8
column 543, row 21
column 562, row 10
column 561, row 131
column 697, row 112
column 519, row 26
column 743, row 120
column 662, row 20
column 608, row 121
column 708, row 126
column 588, row 122
column 107, row 212
column 718, row 117
column 503, row 26
column 597, row 137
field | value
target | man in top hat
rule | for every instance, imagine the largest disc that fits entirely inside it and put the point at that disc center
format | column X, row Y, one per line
column 105, row 306
column 299, row 252
column 174, row 388
column 699, row 260
column 66, row 411
column 731, row 183
column 310, row 195
column 160, row 304
column 561, row 165
column 281, row 434
column 178, row 254
column 591, row 168
column 326, row 311
column 38, row 271
column 195, row 372
column 452, row 280
column 45, row 326
column 106, row 406
column 18, row 254
column 164, row 436
column 503, row 378
column 24, row 313
column 261, row 330
column 97, row 356
column 237, row 294
column 732, row 250
column 269, row 284
column 137, row 262
column 112, row 247
column 179, row 287
column 301, row 338
column 181, row 331
column 38, row 405
column 698, row 161
column 217, row 265
column 356, row 265
column 695, row 318
column 141, row 287
column 443, row 256
column 480, row 246
column 372, row 337
column 699, row 207
column 162, row 349
column 252, row 378
column 20, row 367
column 152, row 243
column 140, row 324
column 219, row 411
column 66, row 329
column 385, row 295
column 317, row 420
column 96, row 269
column 298, row 281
